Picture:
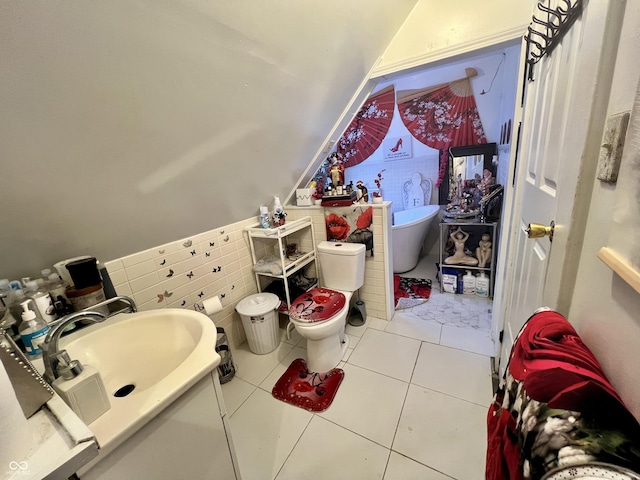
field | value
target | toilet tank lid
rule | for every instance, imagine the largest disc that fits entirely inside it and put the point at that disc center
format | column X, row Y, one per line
column 341, row 248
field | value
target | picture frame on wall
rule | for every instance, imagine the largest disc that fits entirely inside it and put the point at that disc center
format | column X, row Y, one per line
column 396, row 148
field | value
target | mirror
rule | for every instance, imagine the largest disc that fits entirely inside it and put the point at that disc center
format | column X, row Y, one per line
column 465, row 170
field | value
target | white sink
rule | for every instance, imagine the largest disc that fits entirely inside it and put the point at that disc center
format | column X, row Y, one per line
column 162, row 353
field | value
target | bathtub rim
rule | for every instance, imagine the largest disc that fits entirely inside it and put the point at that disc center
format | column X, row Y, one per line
column 435, row 208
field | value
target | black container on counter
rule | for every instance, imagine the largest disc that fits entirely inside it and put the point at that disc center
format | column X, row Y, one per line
column 84, row 273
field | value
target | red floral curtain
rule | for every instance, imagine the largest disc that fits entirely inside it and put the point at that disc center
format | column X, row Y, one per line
column 442, row 117
column 367, row 130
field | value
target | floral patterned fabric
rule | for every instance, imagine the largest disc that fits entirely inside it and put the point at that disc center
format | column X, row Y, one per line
column 365, row 133
column 555, row 408
column 442, row 118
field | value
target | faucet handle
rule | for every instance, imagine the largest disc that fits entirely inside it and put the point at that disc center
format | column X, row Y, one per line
column 63, row 357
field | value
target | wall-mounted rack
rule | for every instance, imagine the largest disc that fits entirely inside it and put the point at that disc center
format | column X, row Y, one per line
column 547, row 28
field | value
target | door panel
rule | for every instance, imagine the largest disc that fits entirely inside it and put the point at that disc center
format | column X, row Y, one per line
column 561, row 118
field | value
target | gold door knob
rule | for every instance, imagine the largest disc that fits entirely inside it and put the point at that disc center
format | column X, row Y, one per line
column 535, row 230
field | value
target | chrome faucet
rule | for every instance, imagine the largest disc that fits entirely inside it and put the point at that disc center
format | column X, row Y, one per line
column 50, row 345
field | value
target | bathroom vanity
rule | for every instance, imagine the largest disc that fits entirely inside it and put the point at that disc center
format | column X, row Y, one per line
column 188, row 439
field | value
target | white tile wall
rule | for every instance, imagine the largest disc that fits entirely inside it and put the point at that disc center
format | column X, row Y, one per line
column 218, row 262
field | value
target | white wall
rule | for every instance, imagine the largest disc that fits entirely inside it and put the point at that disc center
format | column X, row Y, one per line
column 438, row 30
column 604, row 308
column 127, row 124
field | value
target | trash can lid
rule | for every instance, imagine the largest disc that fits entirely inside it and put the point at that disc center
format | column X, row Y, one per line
column 257, row 304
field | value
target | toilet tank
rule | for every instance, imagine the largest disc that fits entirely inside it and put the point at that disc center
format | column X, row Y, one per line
column 342, row 265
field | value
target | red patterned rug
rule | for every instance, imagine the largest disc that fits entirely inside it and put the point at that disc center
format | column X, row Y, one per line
column 409, row 292
column 305, row 389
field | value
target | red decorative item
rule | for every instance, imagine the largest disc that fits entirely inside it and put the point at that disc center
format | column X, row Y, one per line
column 365, row 133
column 317, row 305
column 337, row 227
column 409, row 292
column 443, row 117
column 312, row 391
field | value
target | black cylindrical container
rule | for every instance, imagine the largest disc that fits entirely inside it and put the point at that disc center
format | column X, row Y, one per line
column 84, row 273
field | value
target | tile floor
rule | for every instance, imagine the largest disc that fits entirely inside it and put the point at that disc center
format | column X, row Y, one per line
column 412, row 404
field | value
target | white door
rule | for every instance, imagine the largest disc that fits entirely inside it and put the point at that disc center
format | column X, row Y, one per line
column 561, row 127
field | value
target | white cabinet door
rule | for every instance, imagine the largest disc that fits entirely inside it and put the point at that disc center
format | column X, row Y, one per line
column 186, row 440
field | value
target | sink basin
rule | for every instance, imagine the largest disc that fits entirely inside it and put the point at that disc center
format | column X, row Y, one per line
column 147, row 360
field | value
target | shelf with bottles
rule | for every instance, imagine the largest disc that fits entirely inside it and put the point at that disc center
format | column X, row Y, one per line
column 287, row 253
column 468, row 246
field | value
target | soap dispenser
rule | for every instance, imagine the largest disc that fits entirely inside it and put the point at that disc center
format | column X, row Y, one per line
column 469, row 283
column 33, row 330
column 81, row 387
column 278, row 212
column 482, row 285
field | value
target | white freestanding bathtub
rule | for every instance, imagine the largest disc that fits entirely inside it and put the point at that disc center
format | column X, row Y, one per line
column 409, row 230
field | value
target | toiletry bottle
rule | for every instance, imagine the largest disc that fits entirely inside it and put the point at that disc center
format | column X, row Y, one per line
column 482, row 285
column 82, row 388
column 8, row 322
column 264, row 216
column 469, row 283
column 42, row 300
column 33, row 330
column 15, row 298
column 278, row 212
column 44, row 278
column 5, row 292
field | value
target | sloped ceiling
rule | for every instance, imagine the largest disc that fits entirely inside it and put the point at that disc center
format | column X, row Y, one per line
column 131, row 123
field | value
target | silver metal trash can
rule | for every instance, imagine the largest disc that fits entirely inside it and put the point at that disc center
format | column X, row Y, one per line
column 259, row 313
column 226, row 368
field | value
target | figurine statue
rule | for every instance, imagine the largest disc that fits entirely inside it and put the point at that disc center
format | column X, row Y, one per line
column 487, row 180
column 459, row 238
column 483, row 252
column 363, row 193
column 336, row 171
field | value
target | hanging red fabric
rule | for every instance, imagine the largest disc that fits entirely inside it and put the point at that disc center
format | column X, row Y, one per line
column 365, row 133
column 442, row 118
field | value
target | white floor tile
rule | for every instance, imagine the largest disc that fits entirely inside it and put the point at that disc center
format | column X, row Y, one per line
column 469, row 339
column 254, row 368
column 235, row 393
column 275, row 374
column 443, row 432
column 368, row 403
column 265, row 430
column 376, row 323
column 461, row 374
column 386, row 353
column 353, row 340
column 329, row 452
column 294, row 336
column 403, row 468
column 355, row 331
column 414, row 327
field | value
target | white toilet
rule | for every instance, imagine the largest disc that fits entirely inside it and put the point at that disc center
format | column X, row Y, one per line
column 320, row 314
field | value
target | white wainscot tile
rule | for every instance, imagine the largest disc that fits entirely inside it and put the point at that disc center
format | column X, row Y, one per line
column 114, row 266
column 140, row 269
column 148, row 294
column 144, row 282
column 123, row 289
column 139, row 257
column 117, row 277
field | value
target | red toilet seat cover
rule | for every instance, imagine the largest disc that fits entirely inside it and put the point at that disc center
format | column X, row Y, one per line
column 317, row 305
